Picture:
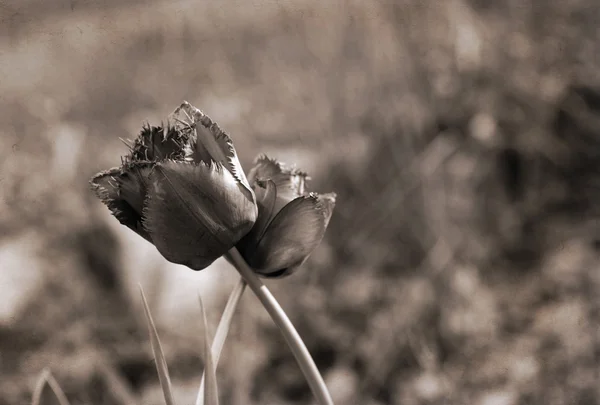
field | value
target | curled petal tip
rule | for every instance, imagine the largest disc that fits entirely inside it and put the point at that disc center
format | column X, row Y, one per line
column 183, row 105
column 262, row 157
column 107, row 187
column 210, row 143
column 264, row 168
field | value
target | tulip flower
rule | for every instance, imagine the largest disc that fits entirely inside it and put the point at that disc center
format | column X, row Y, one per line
column 291, row 222
column 182, row 188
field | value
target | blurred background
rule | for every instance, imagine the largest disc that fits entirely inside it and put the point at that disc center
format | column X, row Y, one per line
column 462, row 139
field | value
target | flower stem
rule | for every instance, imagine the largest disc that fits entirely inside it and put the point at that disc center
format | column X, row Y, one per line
column 293, row 339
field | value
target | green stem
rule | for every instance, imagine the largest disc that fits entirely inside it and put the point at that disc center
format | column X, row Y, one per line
column 293, row 339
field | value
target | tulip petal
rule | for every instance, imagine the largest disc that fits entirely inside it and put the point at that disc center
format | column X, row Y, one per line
column 266, row 195
column 133, row 184
column 211, row 143
column 327, row 202
column 290, row 237
column 106, row 186
column 196, row 212
column 264, row 168
column 290, row 183
column 158, row 143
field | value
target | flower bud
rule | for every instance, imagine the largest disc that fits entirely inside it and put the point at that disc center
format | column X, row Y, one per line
column 291, row 222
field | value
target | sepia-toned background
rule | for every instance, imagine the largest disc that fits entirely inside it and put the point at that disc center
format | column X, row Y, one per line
column 461, row 265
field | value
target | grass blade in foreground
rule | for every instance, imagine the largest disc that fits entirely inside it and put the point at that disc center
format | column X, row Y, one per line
column 159, row 358
column 293, row 339
column 222, row 331
column 211, row 391
column 48, row 392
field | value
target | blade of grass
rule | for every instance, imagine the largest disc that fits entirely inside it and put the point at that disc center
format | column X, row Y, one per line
column 293, row 339
column 223, row 330
column 159, row 358
column 211, row 392
column 47, row 391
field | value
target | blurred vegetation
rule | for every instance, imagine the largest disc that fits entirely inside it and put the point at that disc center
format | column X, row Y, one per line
column 462, row 138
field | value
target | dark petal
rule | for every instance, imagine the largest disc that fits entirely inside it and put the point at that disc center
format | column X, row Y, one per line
column 266, row 195
column 106, row 187
column 158, row 143
column 133, row 184
column 290, row 237
column 196, row 212
column 211, row 143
